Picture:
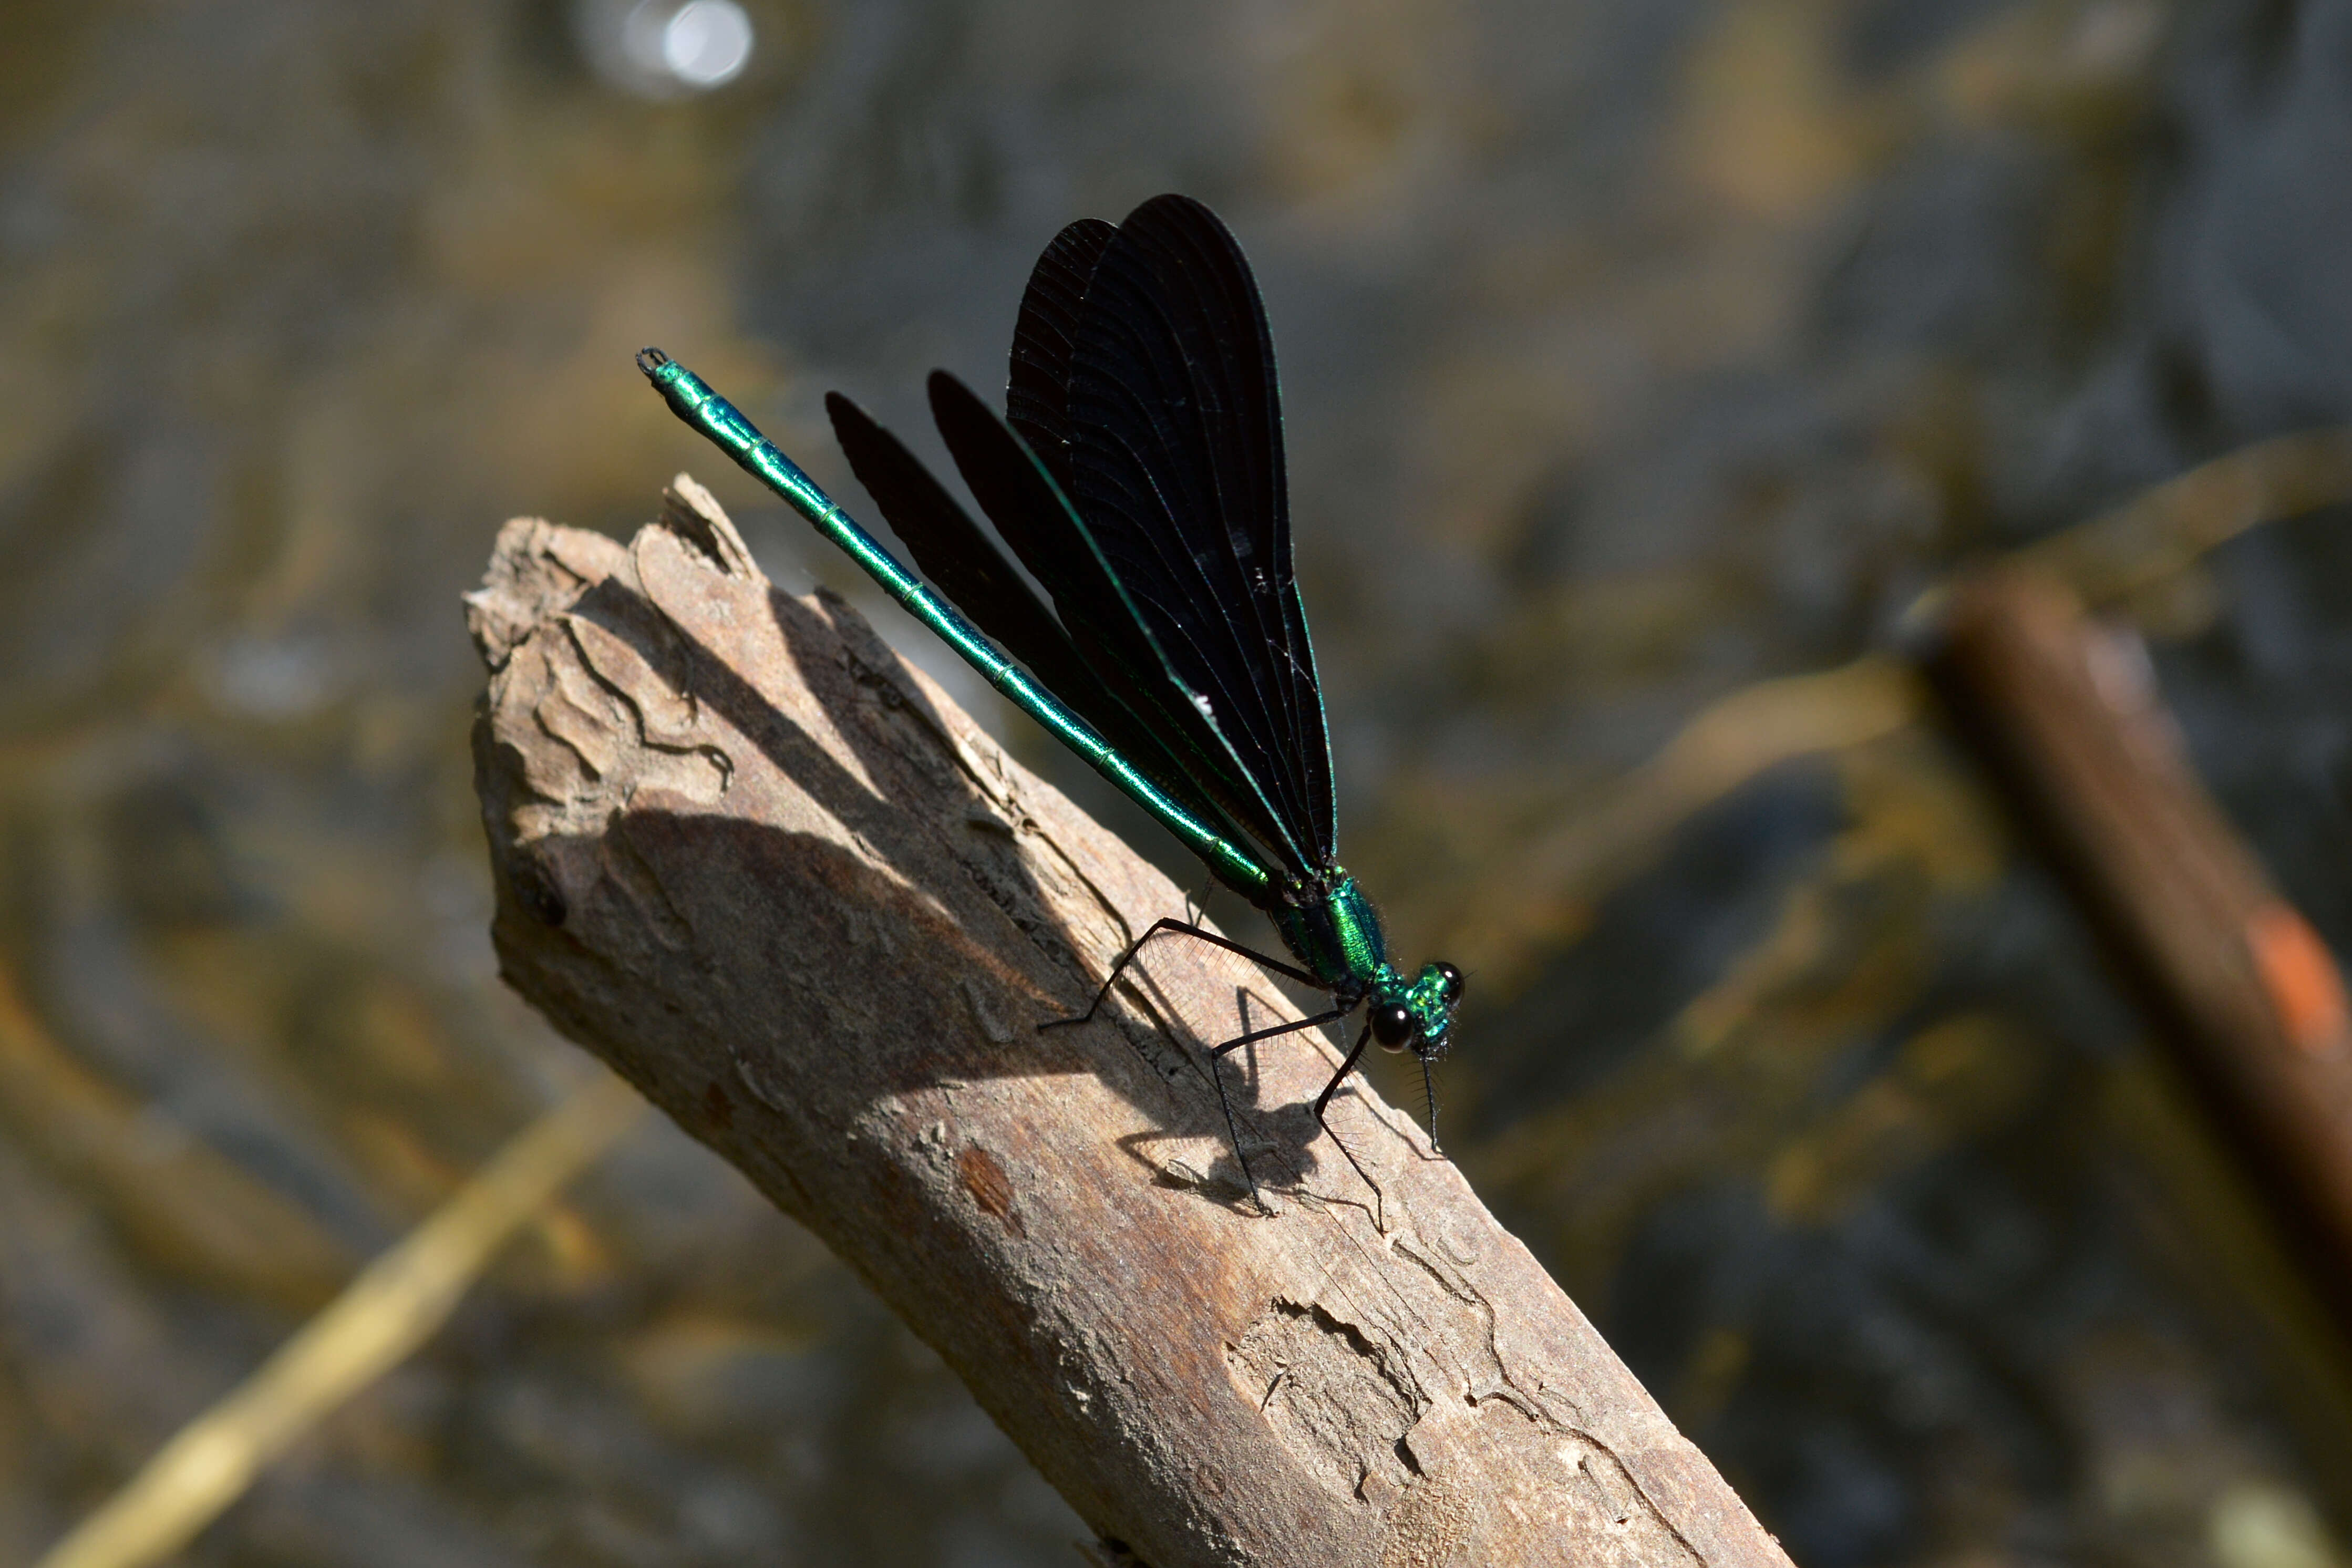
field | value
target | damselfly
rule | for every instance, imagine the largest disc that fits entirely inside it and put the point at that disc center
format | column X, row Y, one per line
column 1138, row 475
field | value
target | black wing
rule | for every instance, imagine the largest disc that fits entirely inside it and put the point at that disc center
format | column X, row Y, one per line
column 1037, row 393
column 1021, row 497
column 1173, row 424
column 951, row 551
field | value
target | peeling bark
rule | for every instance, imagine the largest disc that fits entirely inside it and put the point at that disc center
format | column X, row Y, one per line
column 780, row 882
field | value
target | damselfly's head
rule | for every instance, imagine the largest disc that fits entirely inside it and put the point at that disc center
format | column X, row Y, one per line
column 1417, row 1014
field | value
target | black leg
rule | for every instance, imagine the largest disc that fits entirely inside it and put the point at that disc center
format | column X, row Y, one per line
column 1325, row 1099
column 1217, row 1077
column 1341, row 1076
column 1197, row 904
column 1211, row 938
column 1333, row 1016
column 1429, row 1092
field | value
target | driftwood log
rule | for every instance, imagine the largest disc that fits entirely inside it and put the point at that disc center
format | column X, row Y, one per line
column 779, row 882
column 2064, row 714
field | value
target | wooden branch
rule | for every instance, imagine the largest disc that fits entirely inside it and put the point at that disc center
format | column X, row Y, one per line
column 779, row 882
column 2065, row 715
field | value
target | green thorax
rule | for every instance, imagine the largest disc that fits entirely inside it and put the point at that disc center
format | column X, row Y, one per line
column 1334, row 931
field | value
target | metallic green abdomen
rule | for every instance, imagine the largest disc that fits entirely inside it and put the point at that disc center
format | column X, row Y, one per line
column 1337, row 938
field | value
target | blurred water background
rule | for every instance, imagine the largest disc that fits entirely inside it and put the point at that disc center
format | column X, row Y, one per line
column 1636, row 352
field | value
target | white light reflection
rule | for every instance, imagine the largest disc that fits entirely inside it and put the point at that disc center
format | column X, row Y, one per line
column 708, row 43
column 666, row 48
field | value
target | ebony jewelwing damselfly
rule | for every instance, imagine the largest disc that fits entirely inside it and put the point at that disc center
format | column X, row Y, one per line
column 1137, row 474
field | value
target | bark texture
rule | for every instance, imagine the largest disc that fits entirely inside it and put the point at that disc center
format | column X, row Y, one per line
column 781, row 883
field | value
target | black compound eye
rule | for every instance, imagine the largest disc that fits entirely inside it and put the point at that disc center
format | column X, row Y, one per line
column 1450, row 982
column 1393, row 1025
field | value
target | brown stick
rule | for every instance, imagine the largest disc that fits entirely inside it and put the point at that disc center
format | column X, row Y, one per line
column 2066, row 717
column 779, row 882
